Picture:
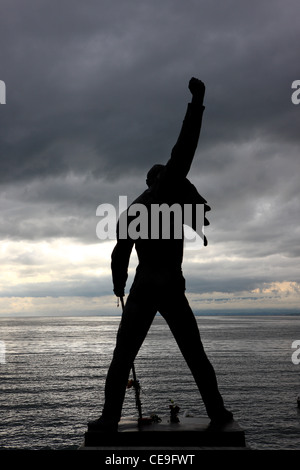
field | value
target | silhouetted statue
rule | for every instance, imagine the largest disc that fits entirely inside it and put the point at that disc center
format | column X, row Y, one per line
column 159, row 285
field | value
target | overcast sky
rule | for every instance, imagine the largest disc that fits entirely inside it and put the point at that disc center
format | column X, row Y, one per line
column 95, row 95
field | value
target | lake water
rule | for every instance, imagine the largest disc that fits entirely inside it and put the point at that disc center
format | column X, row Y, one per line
column 53, row 371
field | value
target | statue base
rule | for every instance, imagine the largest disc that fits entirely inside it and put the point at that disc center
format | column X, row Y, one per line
column 189, row 432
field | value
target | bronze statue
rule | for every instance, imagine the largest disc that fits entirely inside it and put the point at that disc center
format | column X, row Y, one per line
column 159, row 285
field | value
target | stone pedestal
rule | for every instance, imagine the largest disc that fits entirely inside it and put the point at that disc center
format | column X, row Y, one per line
column 189, row 432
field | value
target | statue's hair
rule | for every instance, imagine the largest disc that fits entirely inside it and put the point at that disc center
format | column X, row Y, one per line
column 153, row 173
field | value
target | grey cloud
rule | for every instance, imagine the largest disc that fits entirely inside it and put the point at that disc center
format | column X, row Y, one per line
column 82, row 286
column 89, row 91
column 96, row 93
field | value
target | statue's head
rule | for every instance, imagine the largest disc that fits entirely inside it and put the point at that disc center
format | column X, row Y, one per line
column 153, row 174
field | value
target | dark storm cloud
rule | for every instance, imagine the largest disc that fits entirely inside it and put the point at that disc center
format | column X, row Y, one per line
column 96, row 93
column 64, row 206
column 101, row 86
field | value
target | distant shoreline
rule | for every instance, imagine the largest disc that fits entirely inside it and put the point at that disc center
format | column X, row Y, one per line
column 197, row 314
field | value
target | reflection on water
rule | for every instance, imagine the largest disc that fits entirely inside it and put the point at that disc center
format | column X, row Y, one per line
column 52, row 382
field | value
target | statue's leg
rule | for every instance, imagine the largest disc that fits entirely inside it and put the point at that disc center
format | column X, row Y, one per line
column 183, row 325
column 135, row 323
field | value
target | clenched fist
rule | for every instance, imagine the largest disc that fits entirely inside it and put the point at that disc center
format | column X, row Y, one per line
column 197, row 88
